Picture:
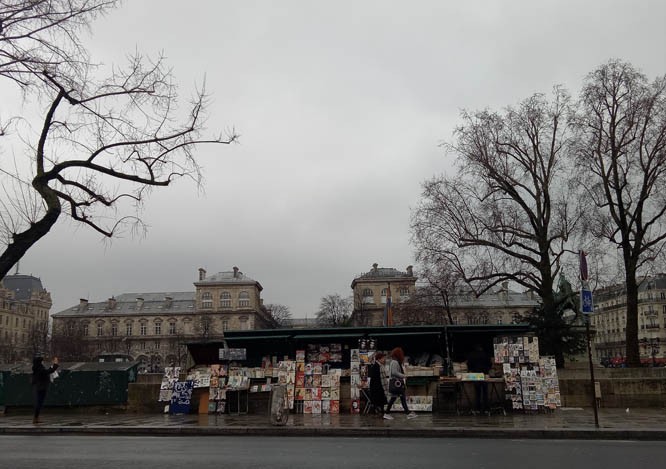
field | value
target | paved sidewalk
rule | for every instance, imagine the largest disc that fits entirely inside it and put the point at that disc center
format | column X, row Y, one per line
column 572, row 423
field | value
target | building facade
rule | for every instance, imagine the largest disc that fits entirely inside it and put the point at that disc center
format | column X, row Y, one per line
column 610, row 317
column 372, row 290
column 24, row 317
column 152, row 328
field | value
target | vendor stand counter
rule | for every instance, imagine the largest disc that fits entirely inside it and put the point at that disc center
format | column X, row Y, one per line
column 459, row 395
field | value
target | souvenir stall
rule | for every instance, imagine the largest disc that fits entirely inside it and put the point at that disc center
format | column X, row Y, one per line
column 325, row 370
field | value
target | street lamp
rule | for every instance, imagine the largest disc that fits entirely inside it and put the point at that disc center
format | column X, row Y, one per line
column 651, row 347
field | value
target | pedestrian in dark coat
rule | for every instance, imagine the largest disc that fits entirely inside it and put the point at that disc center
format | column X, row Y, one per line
column 41, row 378
column 377, row 376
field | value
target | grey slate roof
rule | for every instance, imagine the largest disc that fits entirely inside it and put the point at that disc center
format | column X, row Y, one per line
column 22, row 285
column 383, row 272
column 127, row 303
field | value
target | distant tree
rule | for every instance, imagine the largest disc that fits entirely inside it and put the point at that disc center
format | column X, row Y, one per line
column 101, row 143
column 68, row 341
column 509, row 213
column 204, row 326
column 334, row 311
column 623, row 149
column 280, row 313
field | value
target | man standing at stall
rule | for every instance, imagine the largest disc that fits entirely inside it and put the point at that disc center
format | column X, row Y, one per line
column 479, row 362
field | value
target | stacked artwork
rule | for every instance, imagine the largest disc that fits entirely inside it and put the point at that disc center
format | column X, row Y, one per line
column 360, row 358
column 217, row 393
column 530, row 381
column 316, row 391
column 324, row 353
column 168, row 381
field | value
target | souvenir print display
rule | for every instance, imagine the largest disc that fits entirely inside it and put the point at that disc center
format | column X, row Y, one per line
column 168, row 381
column 181, row 397
column 314, row 387
column 360, row 359
column 530, row 381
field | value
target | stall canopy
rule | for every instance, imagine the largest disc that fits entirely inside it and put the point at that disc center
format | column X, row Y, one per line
column 459, row 339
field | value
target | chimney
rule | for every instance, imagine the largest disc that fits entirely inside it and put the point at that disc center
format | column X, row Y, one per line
column 202, row 274
column 139, row 303
column 374, row 267
column 168, row 302
column 83, row 304
column 111, row 303
column 235, row 272
column 410, row 270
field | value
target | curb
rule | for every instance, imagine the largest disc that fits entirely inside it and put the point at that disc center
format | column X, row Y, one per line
column 287, row 431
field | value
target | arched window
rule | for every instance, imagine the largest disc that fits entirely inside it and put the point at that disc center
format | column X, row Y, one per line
column 368, row 296
column 382, row 294
column 225, row 299
column 404, row 292
column 206, row 300
column 243, row 299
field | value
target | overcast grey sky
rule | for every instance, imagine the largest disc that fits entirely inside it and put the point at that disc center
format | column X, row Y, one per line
column 341, row 106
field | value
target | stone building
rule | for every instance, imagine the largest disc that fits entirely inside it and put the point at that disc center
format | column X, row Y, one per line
column 24, row 317
column 610, row 317
column 413, row 304
column 372, row 289
column 152, row 328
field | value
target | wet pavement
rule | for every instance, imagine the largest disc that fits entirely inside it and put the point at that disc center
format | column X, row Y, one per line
column 634, row 424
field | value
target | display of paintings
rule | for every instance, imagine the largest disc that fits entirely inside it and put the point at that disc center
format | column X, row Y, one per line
column 530, row 381
column 355, row 406
column 316, row 407
column 181, row 397
column 355, row 392
column 307, row 407
column 299, row 380
column 323, row 353
column 168, row 381
column 300, row 355
column 420, row 403
column 326, row 381
column 335, row 394
column 334, row 406
column 325, row 407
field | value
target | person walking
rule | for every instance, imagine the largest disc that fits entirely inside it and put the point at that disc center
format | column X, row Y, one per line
column 379, row 384
column 397, row 371
column 41, row 378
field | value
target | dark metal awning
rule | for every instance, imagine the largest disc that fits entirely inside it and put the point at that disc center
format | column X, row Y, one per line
column 328, row 336
column 403, row 334
column 257, row 337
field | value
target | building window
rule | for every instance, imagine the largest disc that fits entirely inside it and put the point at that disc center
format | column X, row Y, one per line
column 404, row 292
column 128, row 329
column 114, row 330
column 383, row 295
column 225, row 325
column 158, row 328
column 243, row 299
column 157, row 345
column 225, row 299
column 206, row 300
column 100, row 329
column 85, row 330
column 172, row 328
column 244, row 323
column 368, row 296
column 143, row 329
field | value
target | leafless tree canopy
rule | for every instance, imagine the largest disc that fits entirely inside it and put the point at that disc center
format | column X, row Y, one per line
column 509, row 212
column 334, row 311
column 280, row 313
column 623, row 149
column 101, row 143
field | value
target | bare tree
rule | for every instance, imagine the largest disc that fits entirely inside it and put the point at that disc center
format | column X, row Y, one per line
column 204, row 326
column 102, row 144
column 280, row 313
column 623, row 148
column 334, row 311
column 68, row 341
column 509, row 213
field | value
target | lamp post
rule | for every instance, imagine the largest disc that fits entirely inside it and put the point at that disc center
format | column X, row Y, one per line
column 651, row 347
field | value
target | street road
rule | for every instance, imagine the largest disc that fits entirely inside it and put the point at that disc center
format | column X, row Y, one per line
column 100, row 452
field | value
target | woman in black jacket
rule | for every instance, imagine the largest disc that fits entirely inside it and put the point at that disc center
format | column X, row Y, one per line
column 41, row 378
column 378, row 383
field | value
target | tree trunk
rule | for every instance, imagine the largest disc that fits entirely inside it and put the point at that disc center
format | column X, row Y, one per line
column 633, row 352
